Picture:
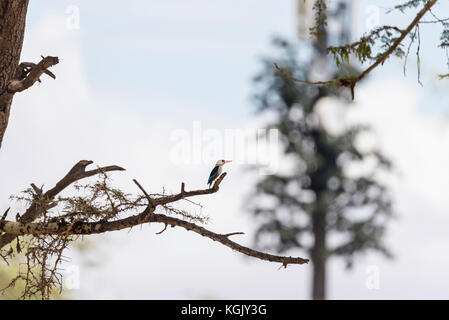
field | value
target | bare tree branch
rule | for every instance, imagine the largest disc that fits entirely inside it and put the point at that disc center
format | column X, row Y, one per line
column 5, row 214
column 165, row 228
column 28, row 73
column 35, row 210
column 185, row 194
column 85, row 228
column 80, row 227
column 150, row 200
column 223, row 239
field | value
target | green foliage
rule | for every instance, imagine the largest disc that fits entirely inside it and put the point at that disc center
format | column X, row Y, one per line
column 375, row 45
column 445, row 36
column 320, row 8
column 356, row 208
column 371, row 46
column 409, row 4
column 364, row 48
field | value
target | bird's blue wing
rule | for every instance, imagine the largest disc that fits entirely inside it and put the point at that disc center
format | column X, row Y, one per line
column 213, row 174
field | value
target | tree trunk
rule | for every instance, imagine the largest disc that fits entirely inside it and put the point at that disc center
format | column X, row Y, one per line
column 12, row 27
column 319, row 256
column 318, row 252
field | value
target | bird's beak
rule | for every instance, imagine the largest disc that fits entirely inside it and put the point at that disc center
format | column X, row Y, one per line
column 227, row 161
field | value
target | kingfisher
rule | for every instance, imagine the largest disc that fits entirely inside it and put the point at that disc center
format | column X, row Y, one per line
column 216, row 171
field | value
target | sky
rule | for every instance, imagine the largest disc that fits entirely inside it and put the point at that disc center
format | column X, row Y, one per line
column 130, row 76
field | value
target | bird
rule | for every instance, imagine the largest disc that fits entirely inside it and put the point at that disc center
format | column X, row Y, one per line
column 216, row 171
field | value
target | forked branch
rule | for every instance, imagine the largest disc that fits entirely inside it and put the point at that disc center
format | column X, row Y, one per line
column 29, row 73
column 36, row 210
column 60, row 226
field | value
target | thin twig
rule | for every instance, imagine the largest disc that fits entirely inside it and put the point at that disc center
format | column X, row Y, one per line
column 150, row 200
column 165, row 228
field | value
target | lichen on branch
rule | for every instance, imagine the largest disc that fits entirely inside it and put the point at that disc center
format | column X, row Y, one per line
column 53, row 221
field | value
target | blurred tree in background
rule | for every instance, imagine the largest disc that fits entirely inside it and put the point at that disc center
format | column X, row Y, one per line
column 317, row 198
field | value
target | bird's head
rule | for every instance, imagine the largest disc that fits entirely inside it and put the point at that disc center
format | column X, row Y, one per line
column 222, row 162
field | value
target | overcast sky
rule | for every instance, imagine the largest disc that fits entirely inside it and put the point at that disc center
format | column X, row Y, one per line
column 132, row 75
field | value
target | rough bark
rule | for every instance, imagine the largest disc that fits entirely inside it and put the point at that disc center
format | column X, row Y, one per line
column 35, row 210
column 25, row 225
column 12, row 28
column 318, row 251
column 147, row 216
column 318, row 256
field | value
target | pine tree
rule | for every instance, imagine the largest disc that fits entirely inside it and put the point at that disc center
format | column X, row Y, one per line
column 318, row 198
